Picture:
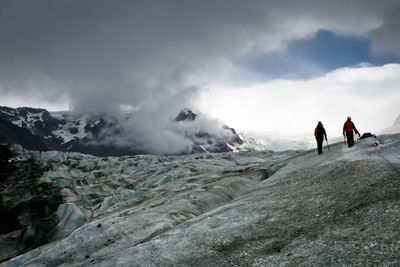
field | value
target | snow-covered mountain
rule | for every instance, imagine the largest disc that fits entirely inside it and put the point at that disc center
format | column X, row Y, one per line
column 66, row 131
column 224, row 140
column 395, row 128
column 291, row 208
column 396, row 125
column 397, row 121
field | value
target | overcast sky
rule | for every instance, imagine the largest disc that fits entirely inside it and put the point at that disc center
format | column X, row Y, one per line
column 276, row 66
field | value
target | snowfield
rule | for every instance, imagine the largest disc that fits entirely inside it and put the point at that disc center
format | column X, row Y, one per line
column 264, row 208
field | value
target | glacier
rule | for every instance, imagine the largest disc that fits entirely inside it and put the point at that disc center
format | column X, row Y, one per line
column 260, row 208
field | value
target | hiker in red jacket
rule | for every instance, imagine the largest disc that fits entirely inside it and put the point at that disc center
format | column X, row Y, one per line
column 319, row 134
column 348, row 128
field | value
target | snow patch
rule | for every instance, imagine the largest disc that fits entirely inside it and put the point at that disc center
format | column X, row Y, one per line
column 75, row 123
column 29, row 120
column 7, row 113
column 17, row 122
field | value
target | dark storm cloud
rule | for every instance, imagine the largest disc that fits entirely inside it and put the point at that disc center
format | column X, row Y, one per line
column 154, row 55
column 132, row 52
column 387, row 37
column 127, row 51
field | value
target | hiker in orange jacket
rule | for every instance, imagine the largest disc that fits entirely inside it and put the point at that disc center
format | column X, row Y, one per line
column 348, row 128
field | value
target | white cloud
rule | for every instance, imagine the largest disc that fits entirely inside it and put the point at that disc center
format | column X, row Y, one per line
column 369, row 94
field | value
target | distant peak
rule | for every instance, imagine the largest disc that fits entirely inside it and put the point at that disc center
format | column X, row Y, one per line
column 186, row 115
column 397, row 121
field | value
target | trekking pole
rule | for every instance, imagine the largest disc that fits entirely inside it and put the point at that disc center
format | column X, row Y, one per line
column 344, row 137
column 327, row 144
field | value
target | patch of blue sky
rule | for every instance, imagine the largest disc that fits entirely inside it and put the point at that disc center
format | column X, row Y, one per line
column 315, row 56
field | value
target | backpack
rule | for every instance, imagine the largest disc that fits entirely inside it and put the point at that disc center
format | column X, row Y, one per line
column 320, row 131
column 366, row 135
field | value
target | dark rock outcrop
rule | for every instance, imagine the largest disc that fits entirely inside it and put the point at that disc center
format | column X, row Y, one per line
column 27, row 206
column 186, row 115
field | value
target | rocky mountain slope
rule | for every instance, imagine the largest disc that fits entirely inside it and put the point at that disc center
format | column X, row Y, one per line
column 395, row 128
column 91, row 134
column 232, row 209
column 227, row 140
column 397, row 121
column 13, row 134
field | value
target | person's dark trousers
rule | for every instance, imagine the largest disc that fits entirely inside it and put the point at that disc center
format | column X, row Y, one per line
column 319, row 145
column 350, row 138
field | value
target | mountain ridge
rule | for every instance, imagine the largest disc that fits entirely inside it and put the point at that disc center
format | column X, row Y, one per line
column 101, row 135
